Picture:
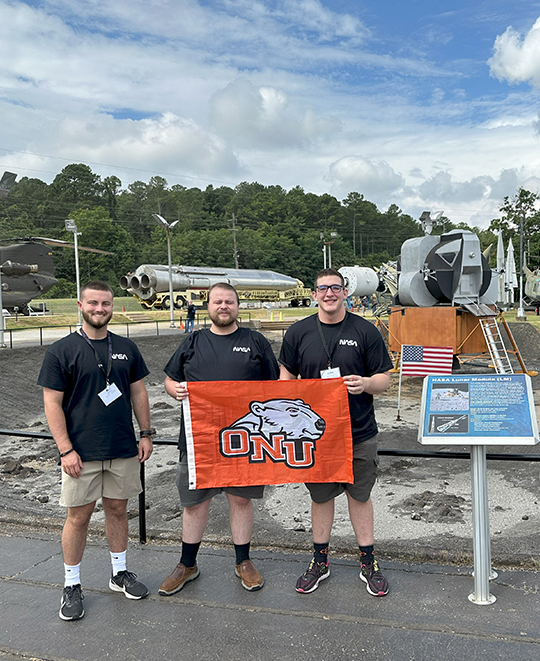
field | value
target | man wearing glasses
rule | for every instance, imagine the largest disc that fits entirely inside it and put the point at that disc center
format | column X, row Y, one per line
column 337, row 344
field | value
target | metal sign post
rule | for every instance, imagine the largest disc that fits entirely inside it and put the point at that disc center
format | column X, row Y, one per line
column 479, row 410
column 481, row 538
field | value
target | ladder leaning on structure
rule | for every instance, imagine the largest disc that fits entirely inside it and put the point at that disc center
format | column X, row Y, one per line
column 491, row 328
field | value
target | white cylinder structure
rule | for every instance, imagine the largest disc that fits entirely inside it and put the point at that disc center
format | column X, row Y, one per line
column 360, row 280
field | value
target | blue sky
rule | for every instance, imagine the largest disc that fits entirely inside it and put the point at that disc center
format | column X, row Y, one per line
column 423, row 104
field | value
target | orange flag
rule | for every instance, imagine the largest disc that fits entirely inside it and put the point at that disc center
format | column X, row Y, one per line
column 242, row 433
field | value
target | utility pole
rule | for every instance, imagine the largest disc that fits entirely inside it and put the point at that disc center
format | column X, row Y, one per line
column 521, row 311
column 235, row 251
column 354, row 234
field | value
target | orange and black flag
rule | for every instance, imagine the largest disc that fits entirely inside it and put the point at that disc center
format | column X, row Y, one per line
column 243, row 433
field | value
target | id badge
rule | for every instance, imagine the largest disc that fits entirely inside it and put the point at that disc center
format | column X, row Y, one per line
column 331, row 373
column 110, row 394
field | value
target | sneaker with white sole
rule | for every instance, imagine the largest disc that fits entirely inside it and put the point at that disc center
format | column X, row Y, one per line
column 126, row 582
column 376, row 583
column 71, row 606
column 310, row 579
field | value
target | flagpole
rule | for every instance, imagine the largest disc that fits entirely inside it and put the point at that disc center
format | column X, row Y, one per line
column 398, row 419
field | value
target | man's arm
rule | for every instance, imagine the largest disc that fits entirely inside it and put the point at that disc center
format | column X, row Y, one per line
column 284, row 374
column 372, row 385
column 176, row 389
column 141, row 408
column 56, row 419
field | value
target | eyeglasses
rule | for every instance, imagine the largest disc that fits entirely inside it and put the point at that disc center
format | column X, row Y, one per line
column 334, row 288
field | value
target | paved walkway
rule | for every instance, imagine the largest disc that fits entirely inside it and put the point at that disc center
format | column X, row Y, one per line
column 426, row 616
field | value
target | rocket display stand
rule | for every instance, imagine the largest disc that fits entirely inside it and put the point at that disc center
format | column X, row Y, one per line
column 478, row 410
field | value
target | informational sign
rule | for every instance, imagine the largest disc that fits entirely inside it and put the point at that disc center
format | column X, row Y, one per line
column 478, row 409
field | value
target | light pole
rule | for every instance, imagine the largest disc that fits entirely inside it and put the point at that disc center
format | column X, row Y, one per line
column 71, row 226
column 161, row 221
column 333, row 237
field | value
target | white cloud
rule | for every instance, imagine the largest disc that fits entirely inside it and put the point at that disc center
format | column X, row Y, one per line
column 254, row 117
column 371, row 178
column 442, row 188
column 169, row 142
column 515, row 59
column 289, row 92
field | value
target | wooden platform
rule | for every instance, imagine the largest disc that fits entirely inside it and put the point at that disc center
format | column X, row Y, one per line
column 446, row 326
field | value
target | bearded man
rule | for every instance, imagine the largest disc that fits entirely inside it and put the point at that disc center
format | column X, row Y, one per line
column 223, row 352
column 91, row 380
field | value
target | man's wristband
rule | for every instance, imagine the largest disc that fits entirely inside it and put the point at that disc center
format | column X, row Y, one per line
column 147, row 432
column 63, row 454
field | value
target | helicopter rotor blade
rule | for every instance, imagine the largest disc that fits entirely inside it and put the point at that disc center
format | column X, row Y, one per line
column 60, row 243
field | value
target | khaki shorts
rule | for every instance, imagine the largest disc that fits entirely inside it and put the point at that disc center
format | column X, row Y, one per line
column 118, row 479
column 190, row 497
column 365, row 465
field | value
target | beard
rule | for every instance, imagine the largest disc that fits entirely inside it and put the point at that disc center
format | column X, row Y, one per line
column 96, row 322
column 223, row 322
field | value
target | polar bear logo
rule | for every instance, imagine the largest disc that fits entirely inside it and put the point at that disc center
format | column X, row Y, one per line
column 292, row 417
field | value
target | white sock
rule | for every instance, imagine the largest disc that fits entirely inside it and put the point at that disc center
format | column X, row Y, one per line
column 72, row 575
column 118, row 562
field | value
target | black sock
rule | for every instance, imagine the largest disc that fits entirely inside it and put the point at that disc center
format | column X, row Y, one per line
column 320, row 552
column 366, row 554
column 242, row 552
column 189, row 554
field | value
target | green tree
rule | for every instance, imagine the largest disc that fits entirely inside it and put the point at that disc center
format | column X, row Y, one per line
column 76, row 187
column 520, row 211
column 97, row 230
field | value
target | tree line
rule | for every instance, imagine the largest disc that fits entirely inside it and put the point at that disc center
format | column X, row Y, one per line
column 274, row 228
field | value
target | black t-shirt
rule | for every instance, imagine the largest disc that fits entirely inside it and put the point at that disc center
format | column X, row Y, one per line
column 244, row 355
column 360, row 350
column 97, row 432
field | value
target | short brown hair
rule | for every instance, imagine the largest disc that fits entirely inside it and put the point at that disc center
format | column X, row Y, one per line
column 223, row 285
column 325, row 272
column 98, row 285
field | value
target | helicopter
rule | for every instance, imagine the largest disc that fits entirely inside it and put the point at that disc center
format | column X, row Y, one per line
column 27, row 270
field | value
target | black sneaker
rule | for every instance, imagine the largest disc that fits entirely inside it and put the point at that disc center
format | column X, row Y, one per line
column 126, row 582
column 71, row 607
column 376, row 583
column 310, row 579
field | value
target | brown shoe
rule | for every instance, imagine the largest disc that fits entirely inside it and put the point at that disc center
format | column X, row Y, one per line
column 251, row 577
column 176, row 581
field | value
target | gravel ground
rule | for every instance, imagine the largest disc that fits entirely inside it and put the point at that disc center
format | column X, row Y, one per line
column 422, row 506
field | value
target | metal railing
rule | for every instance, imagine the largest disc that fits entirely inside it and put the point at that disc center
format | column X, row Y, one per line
column 201, row 321
column 426, row 454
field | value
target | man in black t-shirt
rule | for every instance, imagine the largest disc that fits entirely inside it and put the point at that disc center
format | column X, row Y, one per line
column 333, row 344
column 91, row 379
column 223, row 352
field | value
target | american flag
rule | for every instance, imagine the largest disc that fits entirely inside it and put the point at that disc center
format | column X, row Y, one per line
column 422, row 361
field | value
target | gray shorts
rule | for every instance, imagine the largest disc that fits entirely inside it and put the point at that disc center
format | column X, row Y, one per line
column 190, row 497
column 118, row 479
column 365, row 465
